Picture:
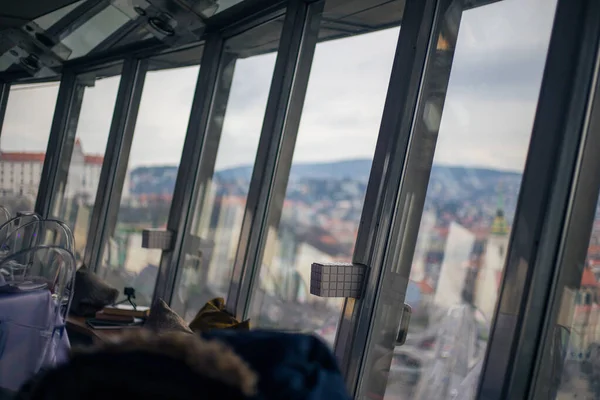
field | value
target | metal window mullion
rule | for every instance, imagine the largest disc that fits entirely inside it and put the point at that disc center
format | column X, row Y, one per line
column 246, row 21
column 116, row 159
column 68, row 105
column 389, row 158
column 189, row 167
column 121, row 33
column 55, row 202
column 4, row 94
column 202, row 181
column 579, row 224
column 240, row 13
column 276, row 147
column 76, row 18
column 543, row 201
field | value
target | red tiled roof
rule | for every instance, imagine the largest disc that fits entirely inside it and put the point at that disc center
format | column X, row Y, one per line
column 39, row 157
column 588, row 278
column 498, row 279
column 583, row 308
column 241, row 200
column 22, row 157
column 328, row 239
column 425, row 287
column 93, row 159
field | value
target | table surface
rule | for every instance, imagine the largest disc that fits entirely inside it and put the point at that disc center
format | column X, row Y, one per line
column 78, row 324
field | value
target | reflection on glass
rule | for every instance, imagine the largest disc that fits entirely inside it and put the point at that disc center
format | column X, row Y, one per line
column 482, row 141
column 46, row 21
column 328, row 179
column 234, row 132
column 225, row 4
column 74, row 202
column 148, row 190
column 23, row 143
column 210, row 8
column 95, row 31
column 576, row 345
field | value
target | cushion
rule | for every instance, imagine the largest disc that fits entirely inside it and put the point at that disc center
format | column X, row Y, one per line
column 214, row 316
column 163, row 318
column 91, row 293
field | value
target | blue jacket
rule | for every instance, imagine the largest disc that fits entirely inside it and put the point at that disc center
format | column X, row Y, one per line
column 294, row 366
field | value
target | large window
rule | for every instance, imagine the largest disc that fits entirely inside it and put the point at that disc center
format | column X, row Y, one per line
column 23, row 143
column 89, row 131
column 568, row 362
column 482, row 121
column 150, row 179
column 330, row 167
column 232, row 140
column 573, row 348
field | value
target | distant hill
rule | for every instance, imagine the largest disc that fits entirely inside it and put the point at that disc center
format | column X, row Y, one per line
column 152, row 180
column 447, row 183
column 353, row 169
column 473, row 192
column 360, row 168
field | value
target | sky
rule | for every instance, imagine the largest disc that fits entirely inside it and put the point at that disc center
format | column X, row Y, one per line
column 486, row 122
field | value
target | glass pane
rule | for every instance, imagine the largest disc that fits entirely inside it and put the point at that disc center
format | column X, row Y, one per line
column 148, row 190
column 95, row 31
column 76, row 195
column 46, row 21
column 330, row 168
column 210, row 8
column 574, row 346
column 225, row 4
column 494, row 57
column 569, row 364
column 232, row 141
column 23, row 143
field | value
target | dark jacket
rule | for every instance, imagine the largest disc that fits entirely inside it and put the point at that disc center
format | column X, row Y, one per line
column 228, row 365
column 289, row 366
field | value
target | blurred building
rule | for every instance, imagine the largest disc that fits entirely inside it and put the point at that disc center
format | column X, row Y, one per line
column 20, row 173
column 418, row 272
column 490, row 270
column 84, row 174
column 454, row 268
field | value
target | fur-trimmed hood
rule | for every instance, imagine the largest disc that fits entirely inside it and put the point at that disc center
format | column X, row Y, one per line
column 209, row 358
column 221, row 365
column 140, row 364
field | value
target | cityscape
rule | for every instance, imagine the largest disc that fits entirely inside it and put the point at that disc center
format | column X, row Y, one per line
column 458, row 259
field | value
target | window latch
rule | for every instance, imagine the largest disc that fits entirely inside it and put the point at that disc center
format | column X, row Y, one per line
column 404, row 323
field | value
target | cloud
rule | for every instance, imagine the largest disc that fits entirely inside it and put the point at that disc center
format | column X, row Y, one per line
column 245, row 112
column 487, row 119
column 28, row 118
column 485, row 133
column 494, row 85
column 163, row 117
column 96, row 115
column 343, row 105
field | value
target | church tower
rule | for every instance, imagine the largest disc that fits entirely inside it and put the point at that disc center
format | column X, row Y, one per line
column 490, row 272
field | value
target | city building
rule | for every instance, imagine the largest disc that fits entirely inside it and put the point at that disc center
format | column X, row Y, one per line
column 492, row 264
column 20, row 173
column 261, row 136
column 84, row 174
column 454, row 268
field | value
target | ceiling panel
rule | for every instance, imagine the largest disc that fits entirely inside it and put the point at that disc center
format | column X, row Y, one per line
column 27, row 10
